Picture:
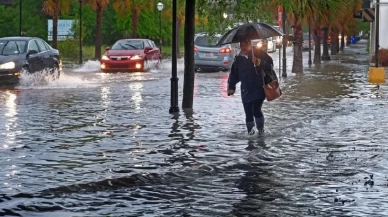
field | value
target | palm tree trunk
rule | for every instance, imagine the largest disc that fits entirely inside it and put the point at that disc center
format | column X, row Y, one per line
column 55, row 24
column 55, row 31
column 135, row 22
column 334, row 48
column 97, row 49
column 317, row 48
column 178, row 30
column 297, row 65
column 325, row 54
column 337, row 42
column 342, row 41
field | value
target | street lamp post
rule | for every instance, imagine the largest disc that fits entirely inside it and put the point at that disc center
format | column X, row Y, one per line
column 279, row 41
column 80, row 31
column 160, row 8
column 284, row 74
column 309, row 62
column 174, row 74
column 20, row 18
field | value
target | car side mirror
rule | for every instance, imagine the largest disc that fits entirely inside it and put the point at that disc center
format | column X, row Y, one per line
column 107, row 48
column 146, row 49
column 31, row 52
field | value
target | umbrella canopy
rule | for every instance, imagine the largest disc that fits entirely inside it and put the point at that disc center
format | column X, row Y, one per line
column 249, row 31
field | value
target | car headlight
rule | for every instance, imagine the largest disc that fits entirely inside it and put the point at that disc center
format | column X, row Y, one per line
column 136, row 57
column 104, row 57
column 9, row 65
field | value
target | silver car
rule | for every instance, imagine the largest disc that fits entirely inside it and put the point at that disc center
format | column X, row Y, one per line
column 208, row 56
column 306, row 42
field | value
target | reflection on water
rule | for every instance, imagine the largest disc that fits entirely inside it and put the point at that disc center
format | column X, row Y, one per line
column 137, row 88
column 105, row 96
column 113, row 150
column 10, row 123
column 224, row 85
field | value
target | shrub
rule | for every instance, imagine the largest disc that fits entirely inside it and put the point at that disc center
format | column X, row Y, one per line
column 68, row 49
column 383, row 57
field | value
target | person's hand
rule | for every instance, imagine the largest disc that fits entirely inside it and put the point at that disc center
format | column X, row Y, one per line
column 230, row 92
column 256, row 61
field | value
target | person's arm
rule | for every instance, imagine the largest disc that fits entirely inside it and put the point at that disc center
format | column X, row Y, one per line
column 233, row 79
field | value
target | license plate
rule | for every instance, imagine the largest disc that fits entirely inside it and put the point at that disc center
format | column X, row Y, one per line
column 208, row 55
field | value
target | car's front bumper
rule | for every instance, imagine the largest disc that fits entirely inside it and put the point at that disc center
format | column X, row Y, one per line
column 9, row 76
column 121, row 65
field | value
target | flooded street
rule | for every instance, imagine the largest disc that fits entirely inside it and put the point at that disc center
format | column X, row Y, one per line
column 96, row 144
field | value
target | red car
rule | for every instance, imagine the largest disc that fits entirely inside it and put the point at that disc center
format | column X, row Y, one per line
column 130, row 55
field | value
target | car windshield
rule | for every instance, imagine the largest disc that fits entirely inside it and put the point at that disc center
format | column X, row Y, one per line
column 10, row 47
column 128, row 45
column 205, row 41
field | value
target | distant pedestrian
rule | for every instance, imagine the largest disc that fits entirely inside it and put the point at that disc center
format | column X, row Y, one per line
column 247, row 70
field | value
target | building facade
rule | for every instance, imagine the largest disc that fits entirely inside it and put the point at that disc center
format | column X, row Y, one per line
column 383, row 27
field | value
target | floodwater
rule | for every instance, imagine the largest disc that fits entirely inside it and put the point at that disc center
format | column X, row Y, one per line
column 95, row 144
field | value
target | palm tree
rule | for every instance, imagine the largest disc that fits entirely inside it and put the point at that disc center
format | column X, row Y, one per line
column 98, row 6
column 298, row 11
column 180, row 18
column 332, row 13
column 345, row 21
column 53, row 8
column 123, row 7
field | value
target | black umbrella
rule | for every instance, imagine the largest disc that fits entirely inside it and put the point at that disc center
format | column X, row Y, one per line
column 249, row 31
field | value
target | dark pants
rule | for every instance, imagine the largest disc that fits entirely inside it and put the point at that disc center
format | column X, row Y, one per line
column 253, row 109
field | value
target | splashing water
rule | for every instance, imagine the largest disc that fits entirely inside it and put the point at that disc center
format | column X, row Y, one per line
column 88, row 66
column 165, row 65
column 44, row 79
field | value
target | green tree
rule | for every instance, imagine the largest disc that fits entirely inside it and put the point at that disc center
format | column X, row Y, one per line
column 53, row 8
column 135, row 7
column 180, row 18
column 98, row 6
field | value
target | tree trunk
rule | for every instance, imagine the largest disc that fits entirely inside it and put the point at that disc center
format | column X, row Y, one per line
column 297, row 65
column 178, row 30
column 97, row 50
column 55, row 31
column 342, row 41
column 325, row 54
column 135, row 22
column 317, row 48
column 55, row 24
column 337, row 42
column 188, row 83
column 334, row 43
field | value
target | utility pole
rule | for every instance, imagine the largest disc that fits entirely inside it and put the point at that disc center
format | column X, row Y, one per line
column 377, row 20
column 80, row 32
column 189, row 79
column 376, row 74
column 284, row 74
column 309, row 62
column 20, row 18
column 174, row 74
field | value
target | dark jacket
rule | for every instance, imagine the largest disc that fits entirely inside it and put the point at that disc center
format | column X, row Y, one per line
column 250, row 76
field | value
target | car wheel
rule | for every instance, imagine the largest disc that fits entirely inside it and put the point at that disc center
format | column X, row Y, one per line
column 54, row 72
